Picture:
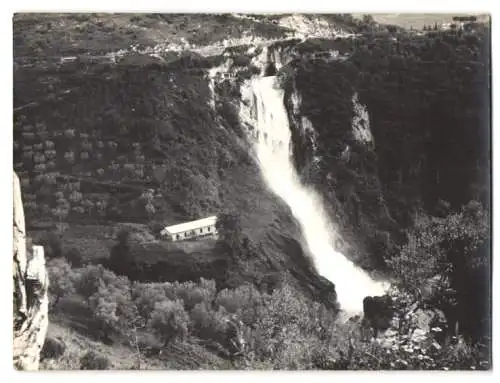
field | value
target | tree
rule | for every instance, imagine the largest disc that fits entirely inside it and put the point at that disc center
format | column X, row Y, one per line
column 150, row 209
column 147, row 197
column 121, row 258
column 146, row 296
column 61, row 212
column 69, row 157
column 109, row 297
column 88, row 205
column 87, row 146
column 170, row 321
column 62, row 279
column 69, row 133
column 89, row 279
column 229, row 228
column 75, row 196
column 101, row 207
column 450, row 251
column 368, row 19
column 112, row 306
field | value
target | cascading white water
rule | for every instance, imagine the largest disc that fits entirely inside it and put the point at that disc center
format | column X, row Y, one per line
column 263, row 108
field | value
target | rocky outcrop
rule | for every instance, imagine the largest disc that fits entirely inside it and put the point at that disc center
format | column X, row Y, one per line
column 378, row 312
column 414, row 324
column 30, row 292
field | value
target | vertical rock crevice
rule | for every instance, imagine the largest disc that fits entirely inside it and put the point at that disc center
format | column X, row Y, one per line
column 30, row 300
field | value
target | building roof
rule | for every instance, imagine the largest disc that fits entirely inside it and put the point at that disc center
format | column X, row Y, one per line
column 182, row 227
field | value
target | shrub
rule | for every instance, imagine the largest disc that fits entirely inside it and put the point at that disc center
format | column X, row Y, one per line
column 288, row 330
column 404, row 354
column 94, row 361
column 53, row 348
column 209, row 324
column 74, row 256
column 156, row 227
column 53, row 246
column 242, row 299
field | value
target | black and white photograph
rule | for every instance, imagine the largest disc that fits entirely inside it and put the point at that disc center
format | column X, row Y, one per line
column 252, row 191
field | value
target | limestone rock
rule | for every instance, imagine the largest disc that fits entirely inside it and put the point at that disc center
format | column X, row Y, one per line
column 30, row 292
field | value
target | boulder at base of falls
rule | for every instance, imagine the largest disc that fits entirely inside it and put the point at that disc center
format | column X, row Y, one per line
column 378, row 312
column 31, row 301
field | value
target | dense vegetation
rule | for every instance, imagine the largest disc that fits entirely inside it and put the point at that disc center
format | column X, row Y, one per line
column 416, row 198
column 242, row 327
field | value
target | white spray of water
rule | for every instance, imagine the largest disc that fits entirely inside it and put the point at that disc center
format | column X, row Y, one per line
column 263, row 109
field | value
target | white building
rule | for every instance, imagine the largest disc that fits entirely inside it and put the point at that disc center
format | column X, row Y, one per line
column 191, row 230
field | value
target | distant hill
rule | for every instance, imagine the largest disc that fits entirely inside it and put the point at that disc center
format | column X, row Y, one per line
column 418, row 20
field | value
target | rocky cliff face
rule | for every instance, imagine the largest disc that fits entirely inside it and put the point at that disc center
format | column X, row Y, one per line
column 30, row 292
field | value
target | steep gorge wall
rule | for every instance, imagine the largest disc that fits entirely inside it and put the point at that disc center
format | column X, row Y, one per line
column 427, row 146
column 334, row 151
column 30, row 292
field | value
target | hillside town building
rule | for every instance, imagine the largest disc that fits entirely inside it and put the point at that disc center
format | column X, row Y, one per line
column 191, row 230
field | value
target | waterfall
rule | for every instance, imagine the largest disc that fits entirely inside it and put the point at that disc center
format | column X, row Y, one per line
column 263, row 109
